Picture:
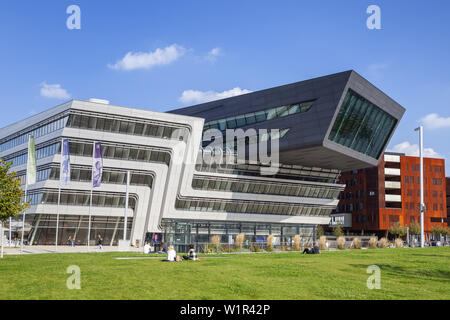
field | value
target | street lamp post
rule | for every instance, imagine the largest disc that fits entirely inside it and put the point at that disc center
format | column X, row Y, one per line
column 422, row 204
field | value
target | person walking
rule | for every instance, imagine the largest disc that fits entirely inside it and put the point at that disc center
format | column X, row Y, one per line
column 100, row 242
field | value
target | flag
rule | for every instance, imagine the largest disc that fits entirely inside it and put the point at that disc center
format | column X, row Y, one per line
column 64, row 173
column 97, row 167
column 31, row 162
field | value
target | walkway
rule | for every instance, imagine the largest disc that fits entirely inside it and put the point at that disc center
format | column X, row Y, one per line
column 63, row 249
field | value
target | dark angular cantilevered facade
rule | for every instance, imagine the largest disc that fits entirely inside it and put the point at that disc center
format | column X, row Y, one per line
column 340, row 121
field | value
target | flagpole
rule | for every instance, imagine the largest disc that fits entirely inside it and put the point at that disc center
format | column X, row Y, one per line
column 23, row 218
column 10, row 222
column 59, row 195
column 92, row 189
column 125, row 222
column 26, row 196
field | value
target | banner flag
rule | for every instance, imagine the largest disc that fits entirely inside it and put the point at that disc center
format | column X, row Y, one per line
column 97, row 169
column 31, row 162
column 64, row 174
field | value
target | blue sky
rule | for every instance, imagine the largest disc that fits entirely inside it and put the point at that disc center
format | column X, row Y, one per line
column 207, row 48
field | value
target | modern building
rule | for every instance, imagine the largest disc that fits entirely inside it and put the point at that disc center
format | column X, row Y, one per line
column 314, row 129
column 375, row 198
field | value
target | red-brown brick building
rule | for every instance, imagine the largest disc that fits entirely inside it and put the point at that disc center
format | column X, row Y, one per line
column 381, row 196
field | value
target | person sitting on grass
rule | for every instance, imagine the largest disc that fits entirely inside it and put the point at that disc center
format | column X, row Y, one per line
column 314, row 250
column 162, row 248
column 147, row 248
column 191, row 254
column 171, row 255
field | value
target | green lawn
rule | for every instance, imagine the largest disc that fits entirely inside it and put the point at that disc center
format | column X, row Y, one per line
column 405, row 274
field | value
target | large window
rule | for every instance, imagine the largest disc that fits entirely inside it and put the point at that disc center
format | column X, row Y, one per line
column 126, row 127
column 292, row 190
column 292, row 172
column 99, row 199
column 251, row 207
column 38, row 132
column 121, row 152
column 362, row 126
column 259, row 116
column 41, row 153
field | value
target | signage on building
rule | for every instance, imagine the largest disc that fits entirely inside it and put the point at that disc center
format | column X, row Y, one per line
column 342, row 219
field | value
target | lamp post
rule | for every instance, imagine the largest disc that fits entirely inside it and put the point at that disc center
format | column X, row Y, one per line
column 422, row 204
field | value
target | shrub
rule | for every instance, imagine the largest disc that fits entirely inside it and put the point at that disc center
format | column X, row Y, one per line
column 297, row 240
column 320, row 231
column 215, row 243
column 341, row 243
column 337, row 231
column 323, row 243
column 398, row 243
column 208, row 249
column 383, row 243
column 373, row 243
column 356, row 243
column 240, row 240
column 270, row 239
column 256, row 248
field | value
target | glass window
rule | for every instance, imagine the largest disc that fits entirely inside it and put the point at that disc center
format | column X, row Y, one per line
column 271, row 114
column 362, row 126
column 240, row 121
column 250, row 118
column 260, row 116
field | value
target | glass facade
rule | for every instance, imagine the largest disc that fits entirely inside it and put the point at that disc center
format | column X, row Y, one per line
column 38, row 132
column 362, row 126
column 121, row 152
column 41, row 153
column 257, row 117
column 252, row 207
column 83, row 174
column 43, row 231
column 84, row 149
column 72, row 198
column 109, row 124
column 198, row 233
column 290, row 172
column 294, row 190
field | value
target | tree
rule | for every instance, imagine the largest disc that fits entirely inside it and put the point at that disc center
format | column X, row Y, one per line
column 397, row 230
column 439, row 230
column 414, row 228
column 337, row 231
column 12, row 201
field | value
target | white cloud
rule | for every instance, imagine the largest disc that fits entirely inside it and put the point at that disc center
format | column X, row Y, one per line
column 147, row 60
column 413, row 150
column 195, row 96
column 434, row 121
column 53, row 91
column 213, row 54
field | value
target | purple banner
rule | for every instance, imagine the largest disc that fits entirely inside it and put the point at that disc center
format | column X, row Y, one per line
column 97, row 168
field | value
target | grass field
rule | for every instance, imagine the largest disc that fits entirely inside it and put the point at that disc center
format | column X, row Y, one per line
column 405, row 274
